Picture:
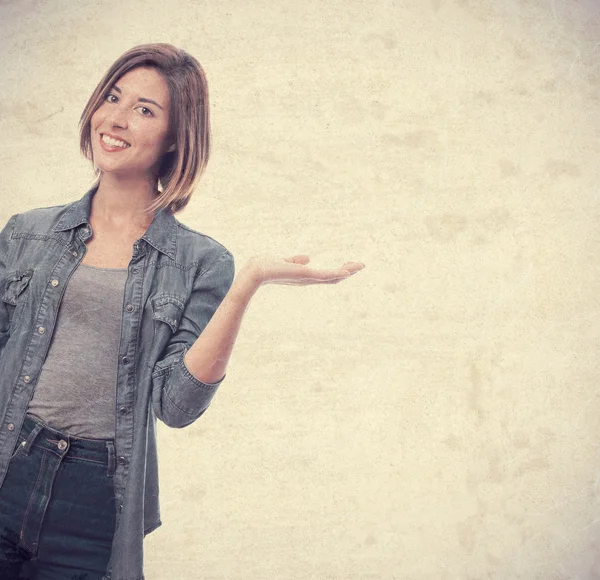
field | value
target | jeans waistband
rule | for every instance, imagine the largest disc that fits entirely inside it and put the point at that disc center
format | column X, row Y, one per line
column 34, row 432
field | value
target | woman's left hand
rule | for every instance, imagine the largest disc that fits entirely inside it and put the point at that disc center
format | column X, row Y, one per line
column 295, row 271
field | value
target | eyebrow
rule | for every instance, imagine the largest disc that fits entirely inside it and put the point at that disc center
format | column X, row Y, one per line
column 141, row 99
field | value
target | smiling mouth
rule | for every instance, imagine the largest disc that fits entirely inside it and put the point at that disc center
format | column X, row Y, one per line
column 114, row 142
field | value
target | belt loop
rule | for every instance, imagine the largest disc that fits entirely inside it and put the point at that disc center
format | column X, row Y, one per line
column 111, row 458
column 31, row 437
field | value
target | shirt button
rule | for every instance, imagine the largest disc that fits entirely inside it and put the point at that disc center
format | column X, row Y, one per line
column 11, row 427
column 124, row 360
column 129, row 308
column 62, row 445
column 74, row 253
column 27, row 379
column 54, row 282
column 41, row 330
column 122, row 460
column 135, row 270
column 120, row 507
column 124, row 410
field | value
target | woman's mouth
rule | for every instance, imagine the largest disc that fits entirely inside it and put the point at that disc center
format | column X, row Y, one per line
column 111, row 144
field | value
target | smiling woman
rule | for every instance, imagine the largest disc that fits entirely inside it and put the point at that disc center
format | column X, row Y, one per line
column 169, row 86
column 122, row 113
column 114, row 314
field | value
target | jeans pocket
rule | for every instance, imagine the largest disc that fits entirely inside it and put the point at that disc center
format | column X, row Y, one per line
column 19, row 447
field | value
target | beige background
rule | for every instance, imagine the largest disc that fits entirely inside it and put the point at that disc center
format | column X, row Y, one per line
column 436, row 416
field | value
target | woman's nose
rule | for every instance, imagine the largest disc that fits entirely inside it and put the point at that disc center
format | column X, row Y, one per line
column 117, row 117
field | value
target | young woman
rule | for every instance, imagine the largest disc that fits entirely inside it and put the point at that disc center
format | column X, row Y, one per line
column 113, row 314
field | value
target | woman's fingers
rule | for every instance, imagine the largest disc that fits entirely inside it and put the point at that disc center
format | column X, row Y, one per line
column 298, row 259
column 324, row 276
column 303, row 259
column 353, row 267
column 307, row 275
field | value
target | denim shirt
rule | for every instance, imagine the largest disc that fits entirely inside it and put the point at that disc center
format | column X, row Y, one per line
column 176, row 280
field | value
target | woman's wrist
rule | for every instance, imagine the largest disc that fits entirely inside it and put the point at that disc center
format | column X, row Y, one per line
column 247, row 281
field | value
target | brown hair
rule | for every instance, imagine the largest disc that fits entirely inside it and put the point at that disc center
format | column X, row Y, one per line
column 189, row 124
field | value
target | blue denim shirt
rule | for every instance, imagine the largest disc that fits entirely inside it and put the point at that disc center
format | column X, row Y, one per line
column 176, row 280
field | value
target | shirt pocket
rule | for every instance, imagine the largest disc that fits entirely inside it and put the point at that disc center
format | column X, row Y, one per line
column 15, row 285
column 13, row 292
column 167, row 309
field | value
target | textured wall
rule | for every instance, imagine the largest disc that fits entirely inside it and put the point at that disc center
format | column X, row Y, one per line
column 436, row 416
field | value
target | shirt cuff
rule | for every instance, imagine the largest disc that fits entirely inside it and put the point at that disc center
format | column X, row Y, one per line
column 185, row 396
column 191, row 378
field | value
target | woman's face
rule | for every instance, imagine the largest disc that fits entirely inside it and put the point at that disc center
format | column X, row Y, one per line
column 129, row 129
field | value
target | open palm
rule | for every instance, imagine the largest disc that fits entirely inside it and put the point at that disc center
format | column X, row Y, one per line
column 295, row 271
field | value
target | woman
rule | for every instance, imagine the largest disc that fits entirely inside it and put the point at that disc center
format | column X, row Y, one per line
column 112, row 314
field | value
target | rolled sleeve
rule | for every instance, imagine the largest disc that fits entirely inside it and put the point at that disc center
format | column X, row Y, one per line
column 179, row 398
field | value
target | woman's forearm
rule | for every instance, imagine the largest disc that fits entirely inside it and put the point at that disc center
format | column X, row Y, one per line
column 208, row 357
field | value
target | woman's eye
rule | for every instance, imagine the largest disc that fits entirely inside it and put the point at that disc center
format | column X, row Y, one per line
column 146, row 111
column 110, row 98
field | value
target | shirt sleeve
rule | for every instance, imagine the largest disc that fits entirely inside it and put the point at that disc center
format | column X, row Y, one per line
column 178, row 397
column 5, row 235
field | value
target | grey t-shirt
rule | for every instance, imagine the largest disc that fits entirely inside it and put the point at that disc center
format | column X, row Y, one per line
column 76, row 389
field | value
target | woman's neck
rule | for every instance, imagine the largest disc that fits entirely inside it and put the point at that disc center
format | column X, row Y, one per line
column 123, row 201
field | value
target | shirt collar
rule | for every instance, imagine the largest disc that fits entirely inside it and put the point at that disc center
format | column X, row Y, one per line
column 77, row 213
column 161, row 234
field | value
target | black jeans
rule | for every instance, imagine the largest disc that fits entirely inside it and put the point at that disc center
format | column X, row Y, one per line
column 57, row 506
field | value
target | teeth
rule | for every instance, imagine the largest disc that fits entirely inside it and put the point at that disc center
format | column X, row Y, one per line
column 114, row 142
